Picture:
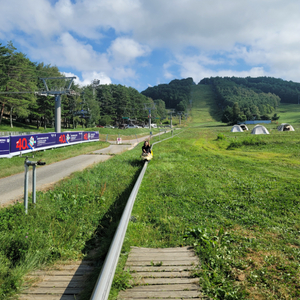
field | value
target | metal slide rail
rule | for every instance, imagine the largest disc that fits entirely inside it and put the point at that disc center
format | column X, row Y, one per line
column 105, row 279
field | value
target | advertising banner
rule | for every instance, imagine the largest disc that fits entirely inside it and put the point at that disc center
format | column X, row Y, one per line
column 75, row 137
column 94, row 135
column 19, row 143
column 45, row 140
column 27, row 143
column 4, row 145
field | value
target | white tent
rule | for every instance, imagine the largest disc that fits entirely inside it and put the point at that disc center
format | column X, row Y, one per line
column 285, row 127
column 236, row 128
column 259, row 129
column 244, row 127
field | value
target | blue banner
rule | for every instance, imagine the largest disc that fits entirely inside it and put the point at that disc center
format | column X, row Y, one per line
column 20, row 143
column 45, row 140
column 4, row 145
column 28, row 143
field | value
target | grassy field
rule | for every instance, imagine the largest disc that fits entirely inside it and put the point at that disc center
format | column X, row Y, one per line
column 235, row 197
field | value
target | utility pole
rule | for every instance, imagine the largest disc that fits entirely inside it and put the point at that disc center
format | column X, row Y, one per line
column 171, row 112
column 57, row 95
column 180, row 113
column 95, row 83
column 149, row 107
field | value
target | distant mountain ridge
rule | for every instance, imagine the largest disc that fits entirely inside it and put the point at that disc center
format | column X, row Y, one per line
column 239, row 99
column 288, row 91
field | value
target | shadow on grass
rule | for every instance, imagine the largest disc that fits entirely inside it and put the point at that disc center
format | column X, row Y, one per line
column 99, row 245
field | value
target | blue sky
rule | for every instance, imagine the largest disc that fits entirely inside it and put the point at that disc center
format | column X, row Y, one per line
column 143, row 43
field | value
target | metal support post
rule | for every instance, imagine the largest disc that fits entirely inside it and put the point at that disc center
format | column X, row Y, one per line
column 34, row 184
column 57, row 113
column 27, row 164
column 106, row 138
column 26, row 188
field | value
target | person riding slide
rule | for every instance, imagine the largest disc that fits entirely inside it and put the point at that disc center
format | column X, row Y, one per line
column 146, row 148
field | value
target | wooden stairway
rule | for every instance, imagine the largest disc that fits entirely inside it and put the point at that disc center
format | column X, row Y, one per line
column 162, row 273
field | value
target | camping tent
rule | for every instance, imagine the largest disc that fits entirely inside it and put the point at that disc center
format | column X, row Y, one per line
column 259, row 129
column 285, row 127
column 244, row 127
column 236, row 128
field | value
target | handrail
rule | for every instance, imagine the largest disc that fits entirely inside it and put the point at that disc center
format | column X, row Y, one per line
column 105, row 279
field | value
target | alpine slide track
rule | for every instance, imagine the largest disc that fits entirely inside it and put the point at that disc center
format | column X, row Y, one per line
column 160, row 273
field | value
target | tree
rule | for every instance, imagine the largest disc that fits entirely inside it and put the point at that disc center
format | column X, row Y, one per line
column 43, row 110
column 235, row 112
column 275, row 117
column 18, row 76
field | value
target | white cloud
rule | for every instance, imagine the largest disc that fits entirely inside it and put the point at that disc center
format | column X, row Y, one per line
column 88, row 77
column 124, row 50
column 109, row 37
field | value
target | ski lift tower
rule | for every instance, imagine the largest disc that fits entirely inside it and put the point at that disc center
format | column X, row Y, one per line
column 95, row 84
column 57, row 94
column 180, row 114
column 149, row 107
column 171, row 112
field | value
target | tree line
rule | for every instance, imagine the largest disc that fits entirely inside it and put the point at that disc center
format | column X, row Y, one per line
column 175, row 95
column 243, row 99
column 87, row 106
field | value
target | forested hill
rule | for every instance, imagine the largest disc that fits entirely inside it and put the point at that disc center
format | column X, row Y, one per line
column 175, row 94
column 249, row 98
column 288, row 91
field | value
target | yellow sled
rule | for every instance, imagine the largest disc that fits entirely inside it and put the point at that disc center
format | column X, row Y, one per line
column 147, row 156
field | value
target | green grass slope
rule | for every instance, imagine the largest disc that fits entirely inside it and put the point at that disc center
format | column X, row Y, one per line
column 289, row 113
column 204, row 105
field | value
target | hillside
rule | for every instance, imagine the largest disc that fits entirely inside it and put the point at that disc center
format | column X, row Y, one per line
column 204, row 105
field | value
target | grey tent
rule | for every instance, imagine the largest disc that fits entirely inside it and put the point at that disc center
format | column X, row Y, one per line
column 244, row 127
column 259, row 129
column 236, row 128
column 285, row 127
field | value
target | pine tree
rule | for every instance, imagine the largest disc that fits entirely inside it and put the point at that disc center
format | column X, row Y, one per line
column 18, row 76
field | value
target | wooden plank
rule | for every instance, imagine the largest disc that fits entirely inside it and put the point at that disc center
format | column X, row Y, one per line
column 57, row 283
column 160, row 250
column 48, row 290
column 193, row 262
column 65, row 278
column 160, row 269
column 161, row 256
column 167, row 287
column 73, row 267
column 200, row 297
column 160, row 274
column 131, row 294
column 47, row 297
column 157, row 281
column 60, row 273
